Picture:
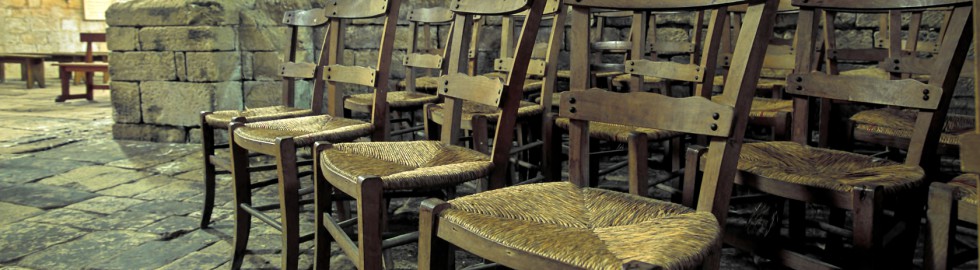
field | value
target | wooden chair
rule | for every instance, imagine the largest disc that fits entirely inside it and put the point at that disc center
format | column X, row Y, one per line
column 31, row 68
column 372, row 172
column 893, row 127
column 845, row 181
column 291, row 72
column 952, row 203
column 641, row 70
column 565, row 225
column 604, row 46
column 664, row 48
column 478, row 118
column 418, row 90
column 88, row 67
column 282, row 138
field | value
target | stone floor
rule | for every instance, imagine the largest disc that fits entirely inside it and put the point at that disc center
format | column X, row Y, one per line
column 73, row 198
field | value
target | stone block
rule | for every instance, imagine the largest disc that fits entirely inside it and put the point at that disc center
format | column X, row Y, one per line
column 19, row 239
column 364, row 36
column 174, row 13
column 187, row 38
column 80, row 252
column 125, row 102
column 854, row 39
column 180, row 59
column 864, row 20
column 261, row 13
column 180, row 104
column 148, row 133
column 122, row 38
column 142, row 66
column 213, row 66
column 262, row 38
column 265, row 66
column 263, row 94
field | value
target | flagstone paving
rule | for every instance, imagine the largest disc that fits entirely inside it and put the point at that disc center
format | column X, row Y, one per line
column 73, row 198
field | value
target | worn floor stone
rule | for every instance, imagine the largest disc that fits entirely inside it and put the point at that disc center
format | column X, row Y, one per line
column 174, row 191
column 140, row 186
column 170, row 208
column 22, row 238
column 105, row 204
column 172, row 226
column 27, row 169
column 155, row 254
column 63, row 216
column 42, row 196
column 94, row 178
column 82, row 252
column 12, row 213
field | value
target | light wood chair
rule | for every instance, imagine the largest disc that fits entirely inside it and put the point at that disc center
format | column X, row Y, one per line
column 844, row 181
column 951, row 204
column 604, row 46
column 477, row 118
column 371, row 172
column 565, row 225
column 283, row 137
column 664, row 49
column 417, row 90
column 291, row 72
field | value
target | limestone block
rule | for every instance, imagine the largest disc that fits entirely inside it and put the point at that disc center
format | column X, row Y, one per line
column 854, row 39
column 848, row 20
column 262, row 38
column 671, row 34
column 125, row 102
column 174, row 13
column 489, row 39
column 142, row 66
column 265, row 66
column 271, row 12
column 263, row 94
column 181, row 62
column 122, row 38
column 213, row 66
column 867, row 20
column 180, row 103
column 364, row 36
column 398, row 69
column 187, row 38
column 148, row 133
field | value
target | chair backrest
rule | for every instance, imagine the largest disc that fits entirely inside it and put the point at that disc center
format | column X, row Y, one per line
column 89, row 38
column 330, row 72
column 780, row 58
column 544, row 59
column 421, row 53
column 700, row 70
column 723, row 123
column 458, row 86
column 931, row 100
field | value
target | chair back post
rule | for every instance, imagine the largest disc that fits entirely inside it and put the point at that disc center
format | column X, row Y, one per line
column 555, row 42
column 422, row 20
column 379, row 114
column 292, row 70
column 89, row 38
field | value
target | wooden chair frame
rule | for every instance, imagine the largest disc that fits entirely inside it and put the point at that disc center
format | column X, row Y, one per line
column 369, row 192
column 291, row 72
column 88, row 68
column 436, row 234
column 284, row 148
column 867, row 201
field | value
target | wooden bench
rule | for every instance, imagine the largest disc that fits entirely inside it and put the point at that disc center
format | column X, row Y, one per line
column 31, row 66
column 88, row 67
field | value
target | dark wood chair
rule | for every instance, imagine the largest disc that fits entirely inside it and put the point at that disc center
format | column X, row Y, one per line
column 89, row 67
column 418, row 90
column 371, row 172
column 479, row 119
column 844, row 181
column 282, row 138
column 291, row 72
column 31, row 68
column 952, row 204
column 565, row 225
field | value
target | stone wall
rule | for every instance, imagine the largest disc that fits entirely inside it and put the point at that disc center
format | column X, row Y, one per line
column 173, row 59
column 34, row 26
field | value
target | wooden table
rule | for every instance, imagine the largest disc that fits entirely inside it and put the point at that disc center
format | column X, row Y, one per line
column 31, row 66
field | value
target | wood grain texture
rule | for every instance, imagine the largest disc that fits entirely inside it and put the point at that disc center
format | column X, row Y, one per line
column 656, row 5
column 431, row 15
column 478, row 89
column 691, row 115
column 350, row 74
column 877, row 4
column 298, row 70
column 536, row 67
column 311, row 17
column 666, row 70
column 420, row 60
column 355, row 9
column 483, row 7
column 905, row 93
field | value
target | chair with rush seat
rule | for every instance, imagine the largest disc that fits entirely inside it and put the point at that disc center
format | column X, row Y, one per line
column 283, row 137
column 886, row 198
column 291, row 72
column 564, row 225
column 371, row 172
column 951, row 204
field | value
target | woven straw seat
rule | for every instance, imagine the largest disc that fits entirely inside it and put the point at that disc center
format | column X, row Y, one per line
column 619, row 133
column 586, row 227
column 396, row 100
column 471, row 108
column 306, row 130
column 966, row 185
column 221, row 119
column 426, row 84
column 406, row 165
column 825, row 168
column 566, row 74
column 900, row 123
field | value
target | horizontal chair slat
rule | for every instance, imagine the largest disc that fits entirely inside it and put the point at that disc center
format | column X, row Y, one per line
column 656, row 5
column 421, row 60
column 904, row 93
column 877, row 4
column 478, row 89
column 535, row 67
column 431, row 15
column 348, row 74
column 298, row 70
column 696, row 115
column 666, row 70
column 355, row 9
column 484, row 7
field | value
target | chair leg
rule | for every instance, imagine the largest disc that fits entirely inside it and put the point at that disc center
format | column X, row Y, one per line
column 638, row 182
column 322, row 191
column 941, row 218
column 797, row 219
column 480, row 143
column 551, row 150
column 243, row 195
column 207, row 148
column 63, row 75
column 288, row 202
column 89, row 85
column 434, row 253
column 692, row 169
column 867, row 236
column 369, row 223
